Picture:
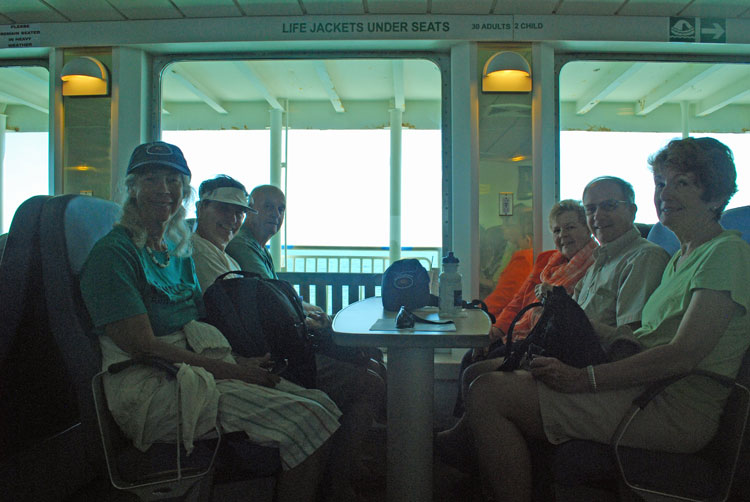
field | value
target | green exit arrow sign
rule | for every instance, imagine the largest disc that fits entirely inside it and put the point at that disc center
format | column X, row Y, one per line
column 712, row 30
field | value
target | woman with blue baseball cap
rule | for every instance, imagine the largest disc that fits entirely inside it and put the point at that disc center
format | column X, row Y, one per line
column 140, row 288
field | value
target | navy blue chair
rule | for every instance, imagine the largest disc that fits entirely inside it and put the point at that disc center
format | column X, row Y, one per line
column 737, row 218
column 661, row 235
column 39, row 426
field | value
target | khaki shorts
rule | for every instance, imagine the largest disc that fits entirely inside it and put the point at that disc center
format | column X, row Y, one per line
column 666, row 424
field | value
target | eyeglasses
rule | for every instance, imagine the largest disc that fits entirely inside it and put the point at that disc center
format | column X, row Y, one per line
column 605, row 205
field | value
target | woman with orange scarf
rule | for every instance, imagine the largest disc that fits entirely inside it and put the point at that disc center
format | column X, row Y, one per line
column 563, row 266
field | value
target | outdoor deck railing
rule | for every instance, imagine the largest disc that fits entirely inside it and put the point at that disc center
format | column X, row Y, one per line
column 333, row 291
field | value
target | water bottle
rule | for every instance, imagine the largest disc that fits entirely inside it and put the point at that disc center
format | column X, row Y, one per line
column 449, row 287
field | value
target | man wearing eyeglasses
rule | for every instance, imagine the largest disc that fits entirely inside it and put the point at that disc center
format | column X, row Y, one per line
column 627, row 267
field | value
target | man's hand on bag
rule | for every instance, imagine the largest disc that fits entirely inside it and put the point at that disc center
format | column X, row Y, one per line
column 315, row 317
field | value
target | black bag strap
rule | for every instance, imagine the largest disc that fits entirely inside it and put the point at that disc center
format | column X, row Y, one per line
column 509, row 335
column 243, row 273
column 478, row 304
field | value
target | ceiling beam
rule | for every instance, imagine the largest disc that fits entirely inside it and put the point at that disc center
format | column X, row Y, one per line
column 31, row 76
column 196, row 88
column 673, row 87
column 325, row 79
column 249, row 73
column 723, row 97
column 398, row 85
column 606, row 86
column 12, row 98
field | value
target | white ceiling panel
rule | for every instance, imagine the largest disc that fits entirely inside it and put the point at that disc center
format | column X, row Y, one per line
column 589, row 7
column 525, row 7
column 86, row 10
column 464, row 7
column 147, row 9
column 397, row 6
column 297, row 80
column 716, row 8
column 208, row 8
column 330, row 7
column 270, row 7
column 30, row 11
column 40, row 11
column 653, row 7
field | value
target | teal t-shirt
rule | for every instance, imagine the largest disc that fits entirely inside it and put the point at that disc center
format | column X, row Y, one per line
column 119, row 281
column 251, row 256
column 721, row 264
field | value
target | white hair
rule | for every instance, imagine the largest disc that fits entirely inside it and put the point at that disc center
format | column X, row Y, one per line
column 177, row 230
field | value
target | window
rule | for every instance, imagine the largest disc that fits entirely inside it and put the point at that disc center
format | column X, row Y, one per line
column 335, row 143
column 615, row 114
column 24, row 166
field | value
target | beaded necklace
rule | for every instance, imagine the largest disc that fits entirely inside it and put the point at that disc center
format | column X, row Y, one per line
column 155, row 261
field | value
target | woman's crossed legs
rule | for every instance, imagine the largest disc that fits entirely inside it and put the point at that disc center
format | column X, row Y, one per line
column 501, row 409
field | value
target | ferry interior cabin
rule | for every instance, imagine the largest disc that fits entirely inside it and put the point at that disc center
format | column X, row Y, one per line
column 385, row 127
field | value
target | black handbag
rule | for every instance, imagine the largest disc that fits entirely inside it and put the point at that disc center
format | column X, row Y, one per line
column 563, row 331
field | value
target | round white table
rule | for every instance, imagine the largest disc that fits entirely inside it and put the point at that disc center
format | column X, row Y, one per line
column 410, row 384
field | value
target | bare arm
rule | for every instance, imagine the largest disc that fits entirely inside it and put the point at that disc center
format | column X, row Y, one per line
column 135, row 336
column 704, row 322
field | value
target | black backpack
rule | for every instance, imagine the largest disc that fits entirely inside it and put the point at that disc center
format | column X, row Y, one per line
column 258, row 316
column 563, row 331
column 406, row 284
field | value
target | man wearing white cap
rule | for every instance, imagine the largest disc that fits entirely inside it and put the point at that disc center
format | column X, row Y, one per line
column 221, row 208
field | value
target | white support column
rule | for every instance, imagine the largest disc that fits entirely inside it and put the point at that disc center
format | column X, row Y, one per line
column 276, row 131
column 395, row 227
column 56, row 120
column 130, row 102
column 465, row 164
column 685, row 120
column 3, row 122
column 545, row 141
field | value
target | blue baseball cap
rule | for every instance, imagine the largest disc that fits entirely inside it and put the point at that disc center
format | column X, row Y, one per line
column 158, row 153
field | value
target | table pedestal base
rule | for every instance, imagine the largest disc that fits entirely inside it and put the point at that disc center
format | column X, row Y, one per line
column 410, row 403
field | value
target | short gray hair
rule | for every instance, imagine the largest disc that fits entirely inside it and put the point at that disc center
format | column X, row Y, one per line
column 564, row 206
column 625, row 187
